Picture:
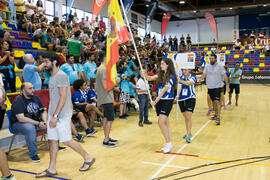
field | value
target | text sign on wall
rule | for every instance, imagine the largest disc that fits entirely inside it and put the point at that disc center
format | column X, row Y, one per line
column 185, row 60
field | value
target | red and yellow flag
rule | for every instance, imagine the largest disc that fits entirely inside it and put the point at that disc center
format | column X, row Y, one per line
column 117, row 34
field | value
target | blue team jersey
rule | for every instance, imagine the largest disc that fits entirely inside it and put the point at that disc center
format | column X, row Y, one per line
column 168, row 94
column 79, row 97
column 90, row 69
column 187, row 92
column 202, row 63
column 91, row 95
column 78, row 67
column 129, row 70
column 124, row 86
column 228, row 75
column 132, row 90
column 71, row 72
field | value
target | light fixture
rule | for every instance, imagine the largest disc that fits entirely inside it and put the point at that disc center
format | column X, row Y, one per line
column 264, row 5
column 147, row 5
column 194, row 11
column 181, row 2
column 231, row 8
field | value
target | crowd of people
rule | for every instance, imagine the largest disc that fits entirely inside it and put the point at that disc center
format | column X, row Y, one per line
column 81, row 65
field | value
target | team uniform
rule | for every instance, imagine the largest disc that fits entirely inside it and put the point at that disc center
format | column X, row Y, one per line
column 164, row 106
column 91, row 95
column 79, row 97
column 187, row 97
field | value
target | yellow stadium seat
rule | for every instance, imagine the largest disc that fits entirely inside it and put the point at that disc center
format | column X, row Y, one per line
column 241, row 65
column 257, row 47
column 16, row 69
column 18, row 83
column 8, row 104
column 205, row 49
column 18, row 54
column 223, row 48
column 37, row 45
column 243, row 47
column 227, row 52
column 229, row 69
column 5, row 26
column 261, row 65
column 262, row 55
column 11, row 37
column 245, row 60
column 236, row 56
column 256, row 70
column 208, row 52
column 246, row 51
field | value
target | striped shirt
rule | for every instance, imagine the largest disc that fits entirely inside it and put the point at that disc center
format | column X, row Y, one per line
column 187, row 92
column 168, row 94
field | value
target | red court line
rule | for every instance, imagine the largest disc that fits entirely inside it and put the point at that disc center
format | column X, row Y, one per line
column 180, row 154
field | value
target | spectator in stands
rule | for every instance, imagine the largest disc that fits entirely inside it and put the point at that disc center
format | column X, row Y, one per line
column 188, row 39
column 39, row 33
column 24, row 22
column 3, row 105
column 2, row 31
column 124, row 96
column 40, row 11
column 30, row 7
column 19, row 8
column 4, row 4
column 95, row 25
column 6, row 174
column 63, row 57
column 7, row 66
column 78, row 64
column 31, row 71
column 252, row 38
column 47, row 40
column 87, row 23
column 261, row 35
column 102, row 25
column 182, row 41
column 237, row 44
column 90, row 67
column 79, row 100
column 175, row 43
column 75, row 19
column 75, row 45
column 84, row 35
column 70, row 70
column 28, row 116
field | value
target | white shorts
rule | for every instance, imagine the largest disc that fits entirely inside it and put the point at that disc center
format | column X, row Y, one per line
column 62, row 131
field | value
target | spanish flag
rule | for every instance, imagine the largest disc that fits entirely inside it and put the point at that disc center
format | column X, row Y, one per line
column 117, row 34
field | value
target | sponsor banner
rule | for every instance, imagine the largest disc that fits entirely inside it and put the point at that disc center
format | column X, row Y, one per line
column 255, row 77
column 185, row 60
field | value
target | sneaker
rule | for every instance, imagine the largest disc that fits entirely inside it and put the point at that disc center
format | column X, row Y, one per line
column 79, row 137
column 113, row 141
column 123, row 117
column 236, row 104
column 208, row 113
column 35, row 158
column 61, row 148
column 148, row 122
column 229, row 103
column 11, row 177
column 90, row 132
column 184, row 137
column 214, row 117
column 109, row 144
column 126, row 115
column 217, row 121
column 140, row 124
column 224, row 107
column 188, row 138
column 167, row 148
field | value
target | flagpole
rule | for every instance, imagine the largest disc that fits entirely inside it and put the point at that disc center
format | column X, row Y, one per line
column 136, row 51
column 177, row 74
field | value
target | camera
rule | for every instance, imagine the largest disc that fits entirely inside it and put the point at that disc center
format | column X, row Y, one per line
column 37, row 116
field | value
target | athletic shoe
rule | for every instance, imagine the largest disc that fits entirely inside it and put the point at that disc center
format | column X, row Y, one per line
column 225, row 107
column 148, row 122
column 184, row 137
column 236, row 104
column 35, row 158
column 188, row 139
column 123, row 117
column 218, row 121
column 229, row 103
column 80, row 137
column 11, row 177
column 126, row 115
column 61, row 148
column 114, row 141
column 208, row 113
column 167, row 148
column 140, row 124
column 214, row 117
column 90, row 132
column 109, row 144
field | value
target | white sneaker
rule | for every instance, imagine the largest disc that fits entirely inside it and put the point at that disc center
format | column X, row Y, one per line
column 167, row 148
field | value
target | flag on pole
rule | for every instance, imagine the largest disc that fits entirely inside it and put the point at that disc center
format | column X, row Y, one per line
column 211, row 20
column 127, row 5
column 98, row 4
column 165, row 20
column 117, row 34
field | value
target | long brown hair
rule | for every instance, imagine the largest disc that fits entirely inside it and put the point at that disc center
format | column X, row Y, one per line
column 163, row 77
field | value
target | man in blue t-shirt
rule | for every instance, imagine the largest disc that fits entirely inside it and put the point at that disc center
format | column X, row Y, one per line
column 47, row 40
column 235, row 83
column 31, row 71
column 70, row 69
column 90, row 68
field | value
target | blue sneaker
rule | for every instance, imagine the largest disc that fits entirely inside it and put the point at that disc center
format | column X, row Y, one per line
column 114, row 141
column 188, row 138
column 35, row 158
column 90, row 132
column 79, row 137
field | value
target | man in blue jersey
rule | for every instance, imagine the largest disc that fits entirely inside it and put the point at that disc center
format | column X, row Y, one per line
column 70, row 69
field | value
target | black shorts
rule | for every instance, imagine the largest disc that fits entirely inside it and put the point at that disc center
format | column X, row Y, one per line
column 81, row 108
column 187, row 105
column 236, row 87
column 108, row 111
column 223, row 89
column 164, row 107
column 214, row 94
column 75, row 114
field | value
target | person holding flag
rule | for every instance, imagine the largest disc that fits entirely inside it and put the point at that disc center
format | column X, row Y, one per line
column 187, row 99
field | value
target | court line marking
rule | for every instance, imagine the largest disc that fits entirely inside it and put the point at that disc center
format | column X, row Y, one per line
column 179, row 154
column 29, row 172
column 159, row 164
column 167, row 163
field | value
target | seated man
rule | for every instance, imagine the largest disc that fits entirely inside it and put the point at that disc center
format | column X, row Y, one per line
column 28, row 115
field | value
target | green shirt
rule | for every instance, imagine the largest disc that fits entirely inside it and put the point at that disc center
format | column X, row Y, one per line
column 74, row 46
column 235, row 73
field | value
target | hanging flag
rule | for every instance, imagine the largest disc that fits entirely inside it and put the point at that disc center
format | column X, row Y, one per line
column 98, row 4
column 165, row 20
column 117, row 34
column 127, row 5
column 211, row 20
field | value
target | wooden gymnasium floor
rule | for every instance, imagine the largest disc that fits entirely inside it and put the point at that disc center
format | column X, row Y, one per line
column 243, row 133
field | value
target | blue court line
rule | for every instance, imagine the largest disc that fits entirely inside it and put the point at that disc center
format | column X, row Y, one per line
column 28, row 172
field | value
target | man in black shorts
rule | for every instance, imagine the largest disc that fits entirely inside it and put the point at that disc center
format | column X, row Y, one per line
column 235, row 83
column 105, row 100
column 214, row 74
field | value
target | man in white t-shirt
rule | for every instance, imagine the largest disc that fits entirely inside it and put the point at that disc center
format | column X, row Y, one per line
column 87, row 23
column 30, row 7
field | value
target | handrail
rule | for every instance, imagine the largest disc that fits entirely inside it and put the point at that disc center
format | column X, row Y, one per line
column 15, row 93
column 10, row 11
